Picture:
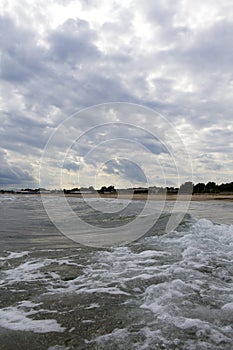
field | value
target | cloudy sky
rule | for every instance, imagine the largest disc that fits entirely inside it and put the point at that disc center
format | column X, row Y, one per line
column 115, row 92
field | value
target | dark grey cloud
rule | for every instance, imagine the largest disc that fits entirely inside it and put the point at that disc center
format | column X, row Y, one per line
column 153, row 146
column 22, row 133
column 70, row 166
column 125, row 169
column 117, row 135
column 22, row 58
column 208, row 161
column 211, row 49
column 73, row 42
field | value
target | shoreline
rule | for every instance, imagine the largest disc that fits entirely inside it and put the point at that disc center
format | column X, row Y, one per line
column 139, row 196
column 158, row 197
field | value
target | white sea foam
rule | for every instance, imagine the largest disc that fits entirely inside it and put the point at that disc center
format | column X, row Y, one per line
column 116, row 267
column 182, row 281
column 92, row 306
column 14, row 255
column 228, row 307
column 18, row 318
column 187, row 271
column 88, row 321
column 26, row 272
column 118, row 334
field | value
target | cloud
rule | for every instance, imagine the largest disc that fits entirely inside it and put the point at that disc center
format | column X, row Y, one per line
column 73, row 42
column 60, row 57
column 21, row 57
column 125, row 169
column 71, row 166
column 13, row 175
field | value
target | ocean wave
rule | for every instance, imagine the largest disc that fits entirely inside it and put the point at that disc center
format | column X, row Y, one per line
column 165, row 290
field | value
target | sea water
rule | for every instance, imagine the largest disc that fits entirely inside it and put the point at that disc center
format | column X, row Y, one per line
column 165, row 290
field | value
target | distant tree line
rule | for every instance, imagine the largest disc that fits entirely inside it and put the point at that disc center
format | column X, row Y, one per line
column 200, row 188
column 212, row 187
column 187, row 187
column 109, row 189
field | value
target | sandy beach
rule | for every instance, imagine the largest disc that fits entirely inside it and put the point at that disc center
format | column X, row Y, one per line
column 158, row 197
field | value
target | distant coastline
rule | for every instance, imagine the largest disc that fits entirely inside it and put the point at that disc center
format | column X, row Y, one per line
column 158, row 197
column 186, row 192
column 140, row 196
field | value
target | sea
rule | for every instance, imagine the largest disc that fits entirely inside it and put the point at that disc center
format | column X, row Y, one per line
column 163, row 289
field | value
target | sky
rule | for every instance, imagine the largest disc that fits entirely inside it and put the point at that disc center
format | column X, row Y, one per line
column 125, row 93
